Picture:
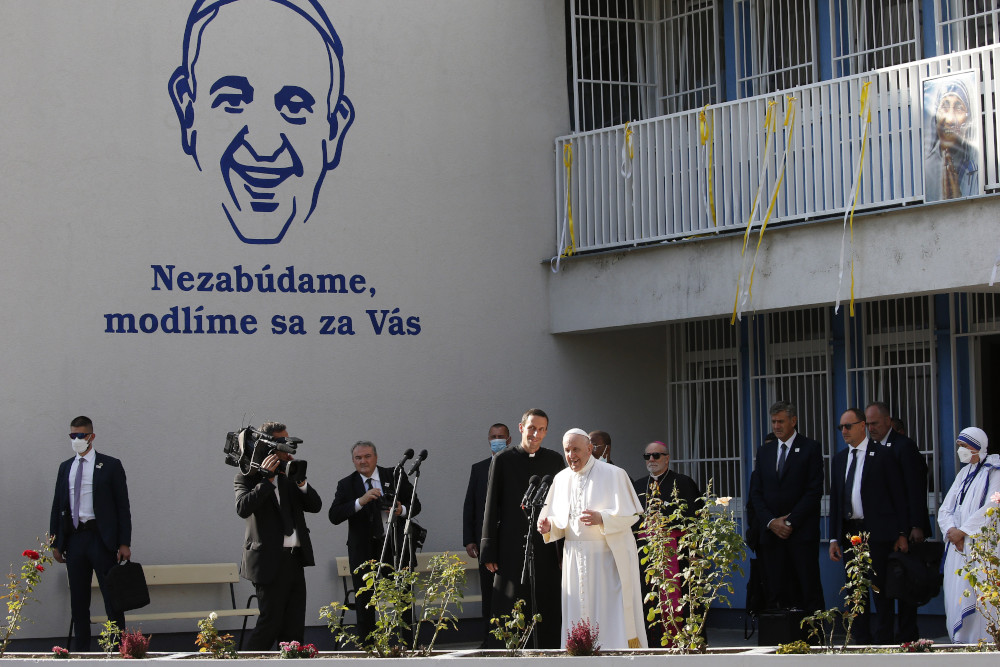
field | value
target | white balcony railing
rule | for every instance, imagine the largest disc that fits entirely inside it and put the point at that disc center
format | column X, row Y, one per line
column 666, row 196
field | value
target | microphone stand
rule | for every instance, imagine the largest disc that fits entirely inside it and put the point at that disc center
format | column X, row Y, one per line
column 528, row 571
column 407, row 545
column 389, row 533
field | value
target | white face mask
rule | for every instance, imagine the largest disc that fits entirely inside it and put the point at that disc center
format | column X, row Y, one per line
column 80, row 445
column 965, row 454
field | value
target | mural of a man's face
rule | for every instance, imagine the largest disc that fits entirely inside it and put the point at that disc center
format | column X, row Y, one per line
column 257, row 113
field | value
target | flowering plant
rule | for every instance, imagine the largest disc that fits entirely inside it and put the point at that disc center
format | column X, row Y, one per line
column 513, row 629
column 19, row 590
column 134, row 644
column 581, row 639
column 210, row 641
column 982, row 570
column 919, row 646
column 709, row 545
column 293, row 649
column 859, row 567
column 60, row 652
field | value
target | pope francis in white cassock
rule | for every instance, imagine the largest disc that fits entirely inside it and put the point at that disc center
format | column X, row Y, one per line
column 593, row 505
column 961, row 516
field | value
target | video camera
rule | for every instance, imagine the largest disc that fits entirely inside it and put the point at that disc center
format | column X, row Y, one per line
column 247, row 448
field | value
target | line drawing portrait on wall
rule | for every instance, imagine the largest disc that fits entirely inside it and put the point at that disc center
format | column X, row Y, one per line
column 260, row 99
column 952, row 142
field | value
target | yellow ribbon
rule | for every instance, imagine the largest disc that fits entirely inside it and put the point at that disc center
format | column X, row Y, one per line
column 568, row 163
column 706, row 126
column 628, row 140
column 628, row 152
column 770, row 123
column 866, row 115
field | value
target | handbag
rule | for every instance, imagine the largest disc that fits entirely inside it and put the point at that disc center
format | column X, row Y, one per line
column 125, row 586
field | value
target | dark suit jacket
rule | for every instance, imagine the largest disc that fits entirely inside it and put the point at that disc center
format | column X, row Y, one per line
column 256, row 502
column 475, row 502
column 914, row 470
column 797, row 493
column 882, row 495
column 359, row 526
column 111, row 507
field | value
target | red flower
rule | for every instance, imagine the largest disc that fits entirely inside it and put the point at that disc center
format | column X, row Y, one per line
column 855, row 540
column 33, row 555
column 40, row 568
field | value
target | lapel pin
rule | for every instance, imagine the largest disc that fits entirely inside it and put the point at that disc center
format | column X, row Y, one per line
column 871, row 453
column 796, row 449
column 99, row 466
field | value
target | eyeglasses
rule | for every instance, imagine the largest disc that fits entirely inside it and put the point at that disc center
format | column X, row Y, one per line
column 654, row 455
column 844, row 427
column 78, row 436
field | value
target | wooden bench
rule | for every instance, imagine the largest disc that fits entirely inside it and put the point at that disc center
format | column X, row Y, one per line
column 423, row 567
column 194, row 574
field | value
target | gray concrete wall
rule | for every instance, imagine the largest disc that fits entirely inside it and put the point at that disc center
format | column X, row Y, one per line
column 905, row 251
column 442, row 201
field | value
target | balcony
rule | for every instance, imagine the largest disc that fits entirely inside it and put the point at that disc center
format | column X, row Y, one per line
column 666, row 196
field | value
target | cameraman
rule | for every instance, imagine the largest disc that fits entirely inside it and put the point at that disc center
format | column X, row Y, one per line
column 277, row 545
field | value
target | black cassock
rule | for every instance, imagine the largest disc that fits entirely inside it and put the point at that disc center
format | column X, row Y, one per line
column 504, row 528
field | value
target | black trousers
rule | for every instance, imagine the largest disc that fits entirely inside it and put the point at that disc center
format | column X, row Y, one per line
column 885, row 608
column 486, row 589
column 282, row 604
column 86, row 554
column 791, row 575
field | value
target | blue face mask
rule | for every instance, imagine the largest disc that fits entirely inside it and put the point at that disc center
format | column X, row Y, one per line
column 498, row 445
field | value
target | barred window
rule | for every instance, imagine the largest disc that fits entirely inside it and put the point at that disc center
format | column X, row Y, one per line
column 870, row 34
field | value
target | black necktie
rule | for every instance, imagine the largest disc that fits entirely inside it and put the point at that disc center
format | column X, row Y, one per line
column 781, row 459
column 285, row 507
column 849, row 486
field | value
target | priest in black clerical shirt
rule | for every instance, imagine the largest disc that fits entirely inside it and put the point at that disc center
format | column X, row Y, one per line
column 505, row 525
column 660, row 483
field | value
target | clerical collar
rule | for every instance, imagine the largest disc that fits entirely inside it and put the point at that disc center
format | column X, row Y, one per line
column 587, row 467
column 521, row 447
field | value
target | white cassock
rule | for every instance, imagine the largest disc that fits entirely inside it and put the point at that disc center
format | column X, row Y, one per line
column 965, row 508
column 600, row 574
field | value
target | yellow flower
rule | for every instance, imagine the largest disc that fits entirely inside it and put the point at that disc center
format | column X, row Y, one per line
column 855, row 540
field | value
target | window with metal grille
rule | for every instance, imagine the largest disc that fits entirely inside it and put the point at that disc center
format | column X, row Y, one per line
column 893, row 360
column 870, row 34
column 775, row 45
column 637, row 59
column 966, row 24
column 790, row 361
column 703, row 394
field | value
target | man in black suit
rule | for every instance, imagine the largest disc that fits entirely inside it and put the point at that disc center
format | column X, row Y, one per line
column 472, row 516
column 913, row 468
column 785, row 491
column 277, row 545
column 90, row 525
column 660, row 483
column 866, row 495
column 359, row 501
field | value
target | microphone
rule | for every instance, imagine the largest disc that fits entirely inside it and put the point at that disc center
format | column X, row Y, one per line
column 420, row 459
column 543, row 490
column 532, row 487
column 407, row 455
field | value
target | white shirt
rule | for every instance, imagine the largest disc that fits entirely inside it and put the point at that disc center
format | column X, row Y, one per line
column 293, row 539
column 376, row 484
column 86, row 485
column 788, row 449
column 859, row 510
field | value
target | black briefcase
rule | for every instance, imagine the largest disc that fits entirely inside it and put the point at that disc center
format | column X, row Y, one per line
column 780, row 626
column 125, row 586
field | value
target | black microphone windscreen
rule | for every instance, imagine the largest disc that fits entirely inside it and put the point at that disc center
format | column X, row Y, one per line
column 422, row 455
column 408, row 454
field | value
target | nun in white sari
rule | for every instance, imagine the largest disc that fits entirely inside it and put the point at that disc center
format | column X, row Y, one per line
column 961, row 517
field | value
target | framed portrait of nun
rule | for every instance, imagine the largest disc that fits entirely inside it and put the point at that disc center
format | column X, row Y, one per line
column 952, row 137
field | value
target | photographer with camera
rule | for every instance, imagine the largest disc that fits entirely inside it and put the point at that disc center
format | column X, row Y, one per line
column 364, row 499
column 272, row 495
